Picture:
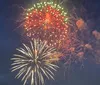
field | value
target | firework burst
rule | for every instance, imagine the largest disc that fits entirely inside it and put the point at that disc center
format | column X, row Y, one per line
column 34, row 62
column 46, row 21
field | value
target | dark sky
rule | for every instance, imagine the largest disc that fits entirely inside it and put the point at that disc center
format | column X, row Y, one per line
column 10, row 39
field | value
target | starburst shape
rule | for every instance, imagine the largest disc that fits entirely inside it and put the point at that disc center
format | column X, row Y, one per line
column 33, row 62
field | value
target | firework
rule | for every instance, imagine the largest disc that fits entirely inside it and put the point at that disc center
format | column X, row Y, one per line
column 34, row 62
column 46, row 21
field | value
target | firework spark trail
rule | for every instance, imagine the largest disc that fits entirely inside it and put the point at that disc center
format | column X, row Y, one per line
column 86, row 42
column 34, row 62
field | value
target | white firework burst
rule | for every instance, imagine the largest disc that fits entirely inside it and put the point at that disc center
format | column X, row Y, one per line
column 34, row 63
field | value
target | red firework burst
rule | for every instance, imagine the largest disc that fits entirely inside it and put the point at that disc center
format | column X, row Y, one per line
column 47, row 21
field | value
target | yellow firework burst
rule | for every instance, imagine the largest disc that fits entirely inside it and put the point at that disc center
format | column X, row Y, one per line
column 33, row 62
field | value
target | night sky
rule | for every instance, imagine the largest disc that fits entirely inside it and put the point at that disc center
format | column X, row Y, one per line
column 10, row 39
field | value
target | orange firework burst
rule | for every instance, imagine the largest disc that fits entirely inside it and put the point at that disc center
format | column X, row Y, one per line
column 46, row 21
